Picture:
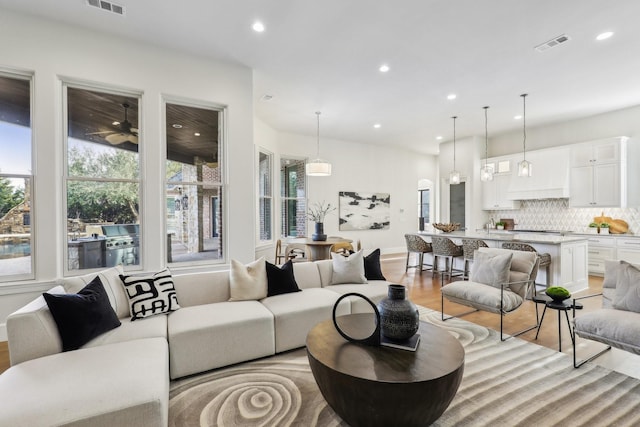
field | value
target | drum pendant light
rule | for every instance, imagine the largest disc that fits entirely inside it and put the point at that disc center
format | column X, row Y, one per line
column 486, row 173
column 454, row 176
column 524, row 167
column 318, row 166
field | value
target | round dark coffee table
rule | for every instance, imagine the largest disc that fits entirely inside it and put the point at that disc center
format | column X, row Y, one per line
column 559, row 306
column 381, row 386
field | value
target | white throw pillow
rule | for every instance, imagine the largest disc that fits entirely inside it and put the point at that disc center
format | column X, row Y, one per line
column 348, row 269
column 490, row 269
column 248, row 282
column 627, row 288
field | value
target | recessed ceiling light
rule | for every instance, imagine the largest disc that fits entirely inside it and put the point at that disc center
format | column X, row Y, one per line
column 384, row 68
column 377, row 125
column 604, row 36
column 116, row 123
column 452, row 96
column 518, row 117
column 439, row 137
column 258, row 27
column 176, row 126
column 197, row 134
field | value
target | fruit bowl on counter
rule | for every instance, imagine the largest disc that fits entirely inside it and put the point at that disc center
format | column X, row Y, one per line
column 446, row 227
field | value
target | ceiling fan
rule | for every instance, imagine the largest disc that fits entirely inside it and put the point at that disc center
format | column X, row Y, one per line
column 125, row 132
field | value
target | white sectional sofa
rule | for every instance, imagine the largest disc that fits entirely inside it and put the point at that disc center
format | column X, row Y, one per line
column 122, row 376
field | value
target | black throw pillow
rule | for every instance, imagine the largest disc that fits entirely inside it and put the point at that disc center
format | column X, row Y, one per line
column 280, row 280
column 372, row 269
column 83, row 316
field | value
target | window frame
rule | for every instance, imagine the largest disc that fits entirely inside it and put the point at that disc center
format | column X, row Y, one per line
column 264, row 197
column 30, row 77
column 283, row 199
column 66, row 178
column 221, row 185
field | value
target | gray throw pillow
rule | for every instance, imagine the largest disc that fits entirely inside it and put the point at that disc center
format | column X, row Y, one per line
column 627, row 288
column 348, row 269
column 611, row 269
column 490, row 269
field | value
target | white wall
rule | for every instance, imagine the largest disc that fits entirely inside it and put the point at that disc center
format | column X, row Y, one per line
column 623, row 122
column 54, row 52
column 358, row 167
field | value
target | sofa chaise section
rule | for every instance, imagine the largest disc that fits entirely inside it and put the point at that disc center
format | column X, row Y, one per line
column 122, row 384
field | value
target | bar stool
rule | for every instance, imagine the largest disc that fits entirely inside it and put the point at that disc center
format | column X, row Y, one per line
column 417, row 245
column 545, row 258
column 469, row 246
column 444, row 247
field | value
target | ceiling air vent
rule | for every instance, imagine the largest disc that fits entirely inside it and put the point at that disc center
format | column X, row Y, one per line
column 556, row 41
column 107, row 6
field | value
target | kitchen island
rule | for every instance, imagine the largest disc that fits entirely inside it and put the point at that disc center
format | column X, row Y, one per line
column 569, row 253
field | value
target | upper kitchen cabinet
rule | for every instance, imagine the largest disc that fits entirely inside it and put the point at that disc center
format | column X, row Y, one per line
column 601, row 173
column 494, row 193
column 549, row 176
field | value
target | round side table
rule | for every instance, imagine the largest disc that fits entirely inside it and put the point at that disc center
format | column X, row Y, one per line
column 559, row 306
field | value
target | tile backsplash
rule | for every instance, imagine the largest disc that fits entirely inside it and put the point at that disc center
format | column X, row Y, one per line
column 555, row 214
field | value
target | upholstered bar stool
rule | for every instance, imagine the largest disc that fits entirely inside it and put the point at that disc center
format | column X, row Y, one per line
column 443, row 247
column 469, row 246
column 416, row 244
column 545, row 258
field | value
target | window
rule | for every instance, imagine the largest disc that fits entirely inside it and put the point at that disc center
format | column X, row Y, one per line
column 265, row 196
column 294, row 198
column 102, row 178
column 16, row 178
column 194, row 183
column 424, row 207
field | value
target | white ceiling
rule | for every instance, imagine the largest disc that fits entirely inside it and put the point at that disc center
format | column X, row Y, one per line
column 324, row 56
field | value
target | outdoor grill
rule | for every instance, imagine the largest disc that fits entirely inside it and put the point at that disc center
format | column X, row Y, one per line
column 122, row 244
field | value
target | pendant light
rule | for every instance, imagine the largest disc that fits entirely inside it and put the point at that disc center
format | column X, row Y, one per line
column 454, row 176
column 524, row 167
column 317, row 166
column 486, row 173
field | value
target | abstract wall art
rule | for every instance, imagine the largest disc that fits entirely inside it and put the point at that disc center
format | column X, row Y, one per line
column 364, row 211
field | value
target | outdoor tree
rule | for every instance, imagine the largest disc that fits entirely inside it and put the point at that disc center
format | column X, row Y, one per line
column 10, row 196
column 106, row 200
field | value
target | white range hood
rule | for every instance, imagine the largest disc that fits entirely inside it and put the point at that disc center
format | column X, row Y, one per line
column 550, row 176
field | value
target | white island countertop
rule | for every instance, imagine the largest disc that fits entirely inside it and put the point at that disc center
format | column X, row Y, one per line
column 511, row 235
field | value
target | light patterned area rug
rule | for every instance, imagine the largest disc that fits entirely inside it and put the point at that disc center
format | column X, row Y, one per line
column 511, row 383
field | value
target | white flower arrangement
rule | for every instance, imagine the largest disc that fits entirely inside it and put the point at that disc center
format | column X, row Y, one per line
column 317, row 211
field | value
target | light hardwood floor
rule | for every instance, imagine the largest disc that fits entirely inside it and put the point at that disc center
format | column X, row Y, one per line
column 425, row 290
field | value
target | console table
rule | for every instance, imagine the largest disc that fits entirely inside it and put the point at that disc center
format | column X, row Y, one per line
column 381, row 386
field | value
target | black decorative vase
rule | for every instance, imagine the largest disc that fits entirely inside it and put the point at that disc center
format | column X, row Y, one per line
column 399, row 319
column 319, row 235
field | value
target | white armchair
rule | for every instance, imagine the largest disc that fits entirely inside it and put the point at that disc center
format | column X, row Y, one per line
column 617, row 323
column 499, row 282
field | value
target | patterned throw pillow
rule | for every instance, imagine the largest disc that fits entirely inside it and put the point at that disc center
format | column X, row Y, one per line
column 150, row 294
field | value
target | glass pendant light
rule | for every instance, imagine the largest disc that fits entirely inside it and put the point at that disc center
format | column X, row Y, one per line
column 486, row 173
column 318, row 166
column 454, row 176
column 524, row 167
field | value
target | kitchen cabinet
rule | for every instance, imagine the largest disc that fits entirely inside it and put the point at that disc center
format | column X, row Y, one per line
column 495, row 193
column 628, row 250
column 600, row 250
column 574, row 265
column 600, row 173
